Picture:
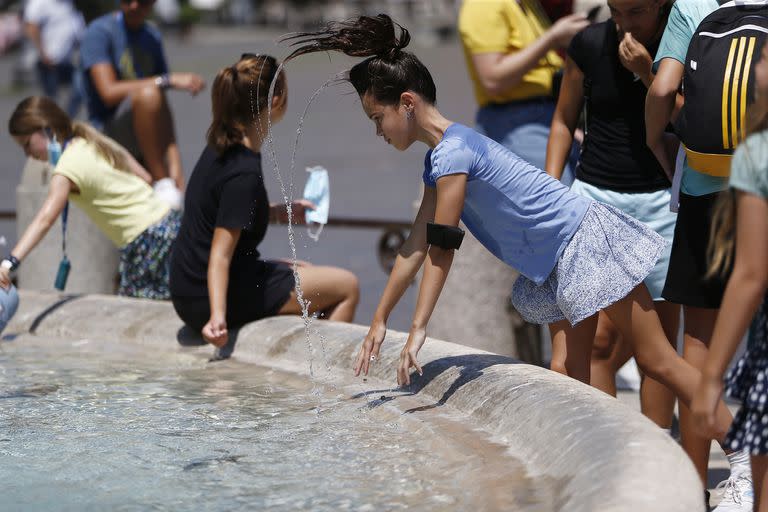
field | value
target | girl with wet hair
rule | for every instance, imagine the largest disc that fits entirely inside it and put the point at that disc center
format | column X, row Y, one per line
column 576, row 256
column 108, row 184
column 218, row 280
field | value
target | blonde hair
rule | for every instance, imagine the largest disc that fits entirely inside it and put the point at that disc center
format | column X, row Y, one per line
column 239, row 98
column 41, row 113
column 722, row 235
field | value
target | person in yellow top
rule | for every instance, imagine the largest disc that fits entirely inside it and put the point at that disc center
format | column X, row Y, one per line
column 510, row 49
column 106, row 182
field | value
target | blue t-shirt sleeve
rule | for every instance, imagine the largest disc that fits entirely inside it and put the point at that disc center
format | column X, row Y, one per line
column 676, row 38
column 451, row 156
column 428, row 181
column 96, row 45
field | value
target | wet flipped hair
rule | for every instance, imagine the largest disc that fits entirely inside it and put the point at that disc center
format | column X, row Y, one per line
column 239, row 98
column 388, row 72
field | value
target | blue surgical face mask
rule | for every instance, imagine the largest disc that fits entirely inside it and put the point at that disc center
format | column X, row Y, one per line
column 318, row 191
column 54, row 149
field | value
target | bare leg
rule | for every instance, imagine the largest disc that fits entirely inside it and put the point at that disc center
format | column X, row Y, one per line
column 637, row 320
column 572, row 347
column 153, row 126
column 759, row 465
column 656, row 400
column 699, row 325
column 330, row 290
column 606, row 350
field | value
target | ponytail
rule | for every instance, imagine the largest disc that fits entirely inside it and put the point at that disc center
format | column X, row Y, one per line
column 388, row 71
column 239, row 99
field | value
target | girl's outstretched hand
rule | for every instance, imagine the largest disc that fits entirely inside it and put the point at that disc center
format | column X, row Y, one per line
column 279, row 213
column 215, row 331
column 704, row 405
column 416, row 339
column 369, row 351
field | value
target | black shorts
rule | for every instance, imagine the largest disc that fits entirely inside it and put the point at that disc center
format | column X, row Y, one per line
column 257, row 293
column 688, row 264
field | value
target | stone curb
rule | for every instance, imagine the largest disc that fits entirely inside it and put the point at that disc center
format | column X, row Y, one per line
column 601, row 454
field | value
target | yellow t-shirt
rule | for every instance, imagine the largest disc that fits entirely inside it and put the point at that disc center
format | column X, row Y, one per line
column 120, row 203
column 506, row 26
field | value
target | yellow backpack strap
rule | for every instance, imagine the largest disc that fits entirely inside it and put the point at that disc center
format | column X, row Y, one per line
column 709, row 163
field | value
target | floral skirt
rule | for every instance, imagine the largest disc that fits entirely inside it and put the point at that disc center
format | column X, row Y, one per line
column 145, row 263
column 608, row 256
column 748, row 382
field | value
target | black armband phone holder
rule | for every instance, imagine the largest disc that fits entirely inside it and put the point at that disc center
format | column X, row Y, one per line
column 446, row 237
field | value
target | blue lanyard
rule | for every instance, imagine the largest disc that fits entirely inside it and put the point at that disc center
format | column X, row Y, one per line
column 64, row 215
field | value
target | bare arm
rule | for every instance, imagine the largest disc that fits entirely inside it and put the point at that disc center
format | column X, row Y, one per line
column 407, row 264
column 746, row 288
column 499, row 72
column 564, row 120
column 32, row 31
column 58, row 193
column 660, row 107
column 450, row 202
column 113, row 91
column 222, row 248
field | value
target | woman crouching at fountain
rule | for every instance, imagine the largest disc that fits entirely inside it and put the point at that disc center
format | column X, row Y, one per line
column 218, row 280
column 103, row 180
column 576, row 256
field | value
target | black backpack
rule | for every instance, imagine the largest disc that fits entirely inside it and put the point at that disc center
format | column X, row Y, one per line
column 718, row 83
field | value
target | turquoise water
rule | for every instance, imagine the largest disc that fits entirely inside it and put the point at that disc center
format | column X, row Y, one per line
column 92, row 426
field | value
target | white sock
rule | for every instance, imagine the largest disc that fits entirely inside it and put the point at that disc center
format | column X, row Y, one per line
column 739, row 462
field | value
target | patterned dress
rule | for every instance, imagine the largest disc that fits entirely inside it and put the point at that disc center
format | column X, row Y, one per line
column 748, row 383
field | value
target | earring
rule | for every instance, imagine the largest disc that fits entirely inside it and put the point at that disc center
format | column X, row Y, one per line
column 409, row 114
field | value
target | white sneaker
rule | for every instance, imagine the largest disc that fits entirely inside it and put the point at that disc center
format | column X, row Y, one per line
column 738, row 495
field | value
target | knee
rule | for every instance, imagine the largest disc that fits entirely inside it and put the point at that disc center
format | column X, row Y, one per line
column 558, row 366
column 602, row 347
column 653, row 365
column 147, row 98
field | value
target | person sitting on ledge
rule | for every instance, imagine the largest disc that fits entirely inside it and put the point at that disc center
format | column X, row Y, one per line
column 125, row 76
column 218, row 280
column 108, row 184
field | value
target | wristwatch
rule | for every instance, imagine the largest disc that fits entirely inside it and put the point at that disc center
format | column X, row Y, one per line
column 163, row 81
column 10, row 263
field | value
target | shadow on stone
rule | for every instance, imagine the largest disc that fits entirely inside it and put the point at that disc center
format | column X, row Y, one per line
column 471, row 367
column 50, row 309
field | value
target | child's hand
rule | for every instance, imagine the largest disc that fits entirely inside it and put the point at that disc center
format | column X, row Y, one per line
column 416, row 339
column 369, row 351
column 215, row 331
column 5, row 278
column 704, row 405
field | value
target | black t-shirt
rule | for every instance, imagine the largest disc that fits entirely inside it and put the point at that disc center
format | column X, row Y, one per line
column 224, row 191
column 614, row 155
